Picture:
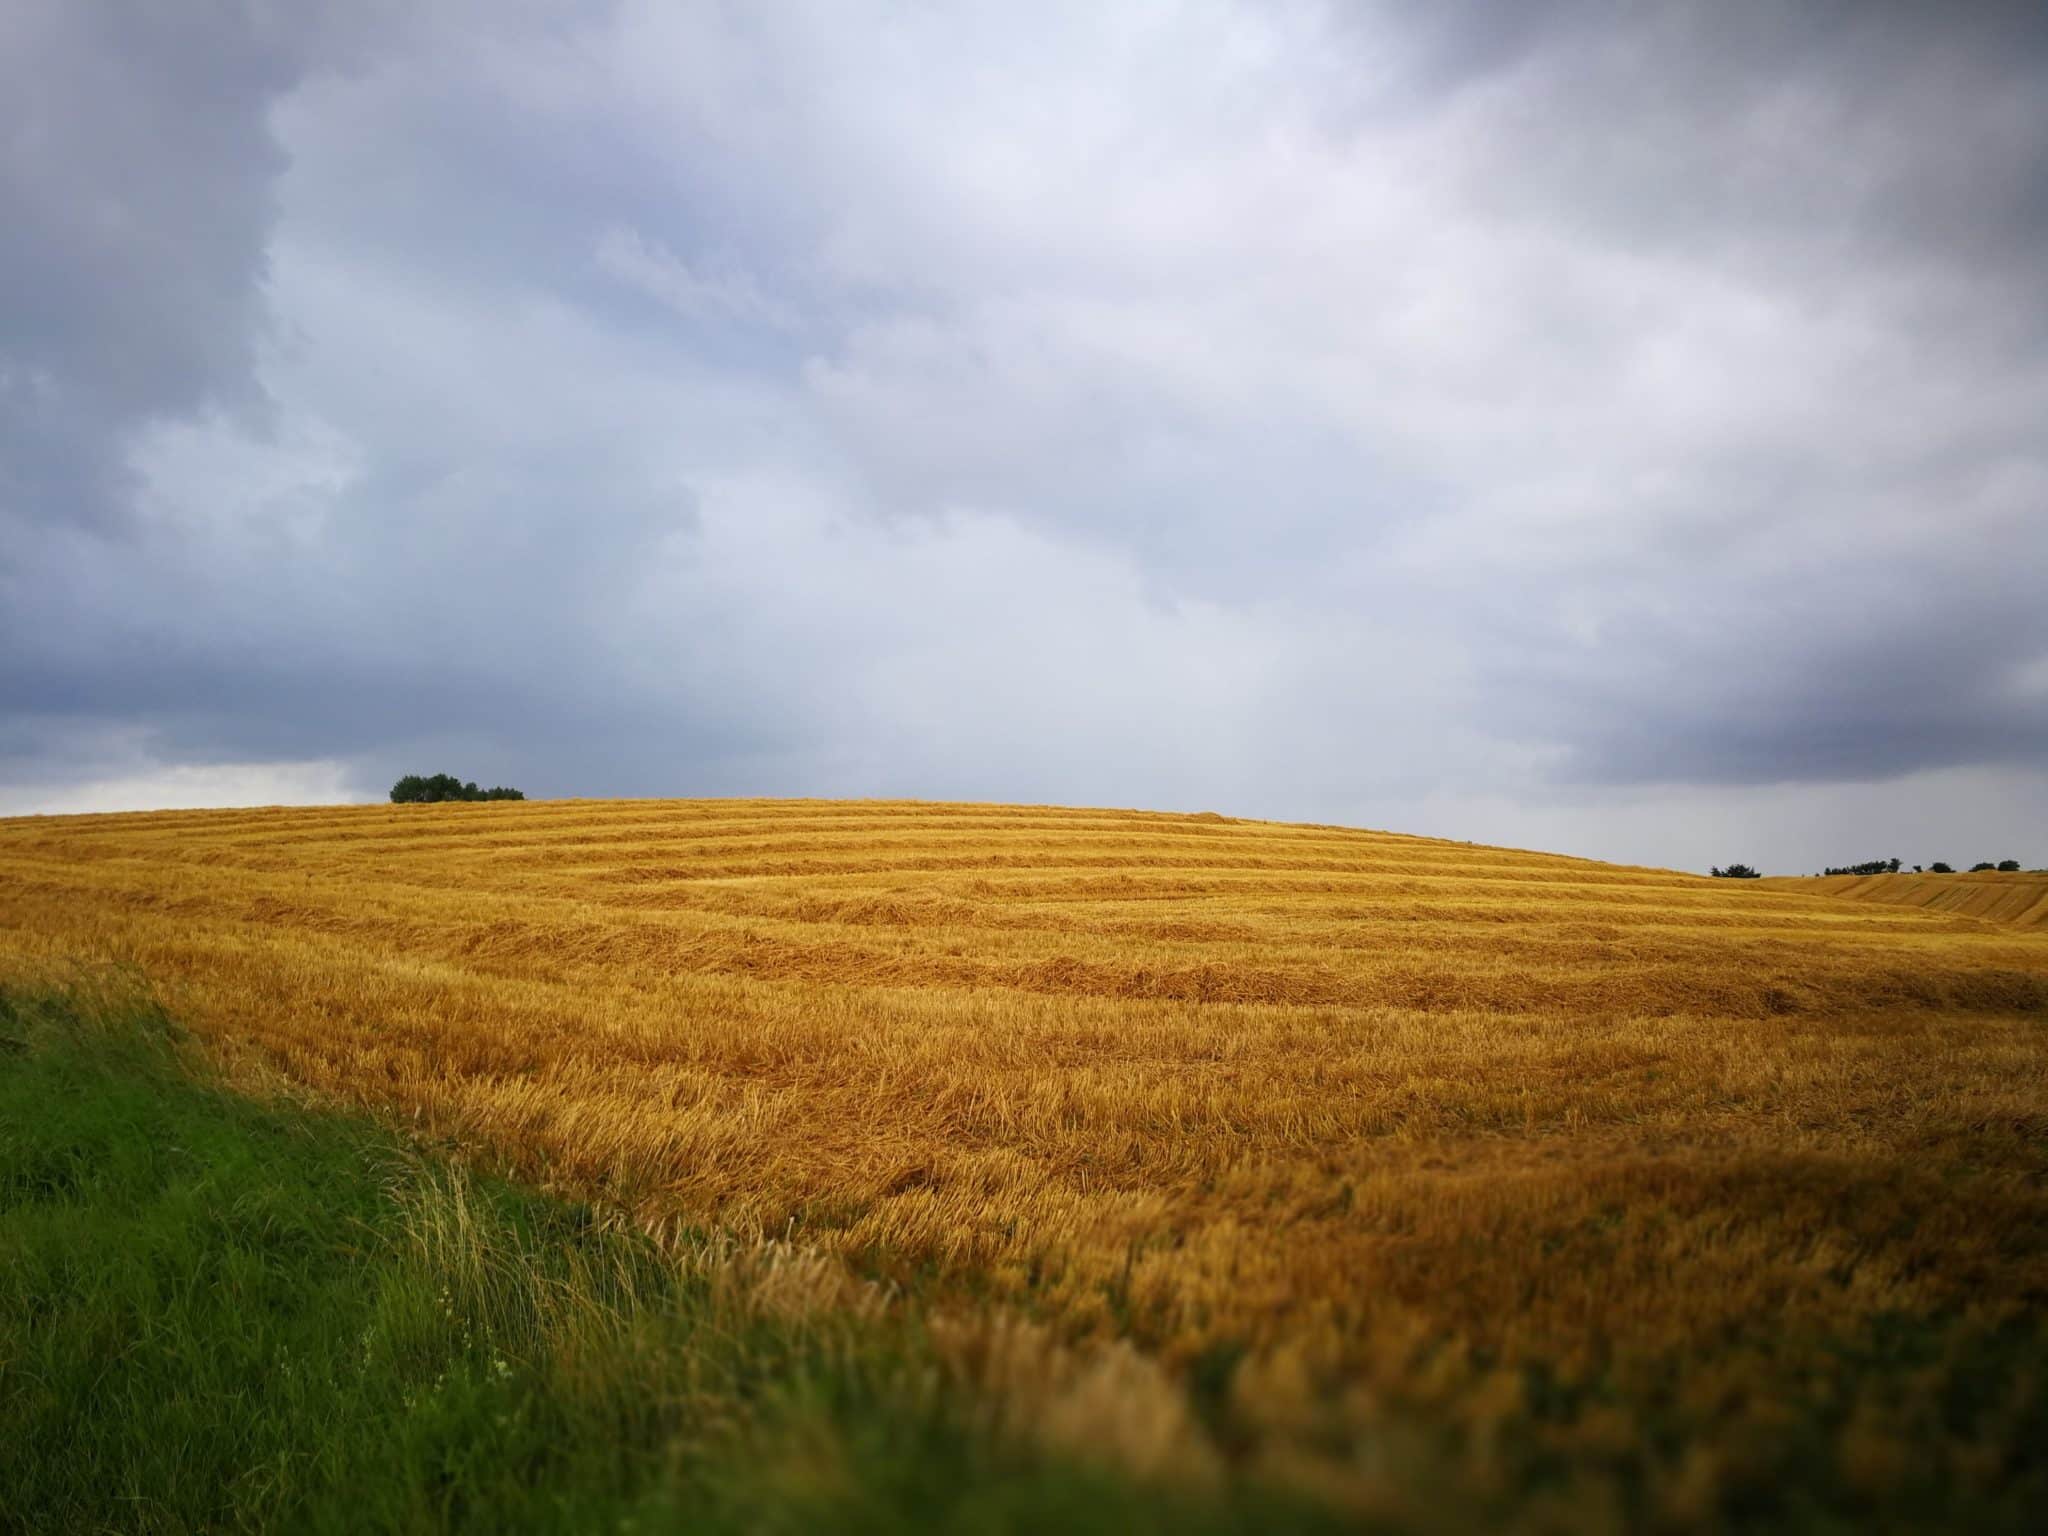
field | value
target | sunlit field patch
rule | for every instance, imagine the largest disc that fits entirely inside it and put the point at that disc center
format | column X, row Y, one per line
column 2019, row 897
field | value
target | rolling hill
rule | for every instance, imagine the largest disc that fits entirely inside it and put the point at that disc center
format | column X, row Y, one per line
column 1387, row 1163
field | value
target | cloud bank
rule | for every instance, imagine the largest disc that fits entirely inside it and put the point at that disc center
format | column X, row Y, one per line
column 1606, row 427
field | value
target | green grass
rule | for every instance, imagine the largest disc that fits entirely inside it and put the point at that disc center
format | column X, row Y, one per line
column 218, row 1313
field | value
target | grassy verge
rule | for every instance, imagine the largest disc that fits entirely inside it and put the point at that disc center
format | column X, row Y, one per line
column 217, row 1313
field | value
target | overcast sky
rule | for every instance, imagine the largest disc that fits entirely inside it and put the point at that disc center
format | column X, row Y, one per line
column 1620, row 429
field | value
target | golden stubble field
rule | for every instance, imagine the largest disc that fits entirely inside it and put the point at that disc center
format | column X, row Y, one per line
column 2018, row 897
column 1338, row 1124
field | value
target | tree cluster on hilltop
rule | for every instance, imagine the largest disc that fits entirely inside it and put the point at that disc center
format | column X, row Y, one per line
column 415, row 789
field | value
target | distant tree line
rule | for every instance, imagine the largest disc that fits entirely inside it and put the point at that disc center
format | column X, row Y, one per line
column 1872, row 867
column 416, row 789
column 1938, row 867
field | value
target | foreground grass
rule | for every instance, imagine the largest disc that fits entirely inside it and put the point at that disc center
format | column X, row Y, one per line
column 218, row 1313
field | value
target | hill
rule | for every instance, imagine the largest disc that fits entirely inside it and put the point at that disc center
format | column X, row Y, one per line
column 1379, row 1165
column 2000, row 897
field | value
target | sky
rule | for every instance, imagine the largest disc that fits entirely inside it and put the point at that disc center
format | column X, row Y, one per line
column 1619, row 429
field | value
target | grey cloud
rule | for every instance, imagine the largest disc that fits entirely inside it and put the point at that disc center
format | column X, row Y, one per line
column 1883, row 689
column 1832, row 581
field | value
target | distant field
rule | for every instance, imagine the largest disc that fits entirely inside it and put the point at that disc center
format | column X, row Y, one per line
column 1403, row 1165
column 2020, row 899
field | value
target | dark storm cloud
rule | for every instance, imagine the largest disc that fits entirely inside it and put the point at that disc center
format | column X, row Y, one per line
column 1307, row 410
column 136, row 173
column 1889, row 683
column 1840, row 130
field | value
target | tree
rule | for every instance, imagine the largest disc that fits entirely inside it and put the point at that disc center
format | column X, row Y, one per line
column 414, row 789
column 2009, row 865
column 1736, row 872
column 1939, row 868
column 1983, row 865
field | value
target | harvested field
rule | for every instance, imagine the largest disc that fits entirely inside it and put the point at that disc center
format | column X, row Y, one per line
column 1662, row 1178
column 2019, row 898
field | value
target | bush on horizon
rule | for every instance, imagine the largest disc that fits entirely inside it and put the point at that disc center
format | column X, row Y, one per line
column 415, row 789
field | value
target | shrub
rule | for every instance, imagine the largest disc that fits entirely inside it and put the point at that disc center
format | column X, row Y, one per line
column 1939, row 868
column 414, row 789
column 1868, row 867
column 1982, row 865
column 2009, row 866
column 1735, row 872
